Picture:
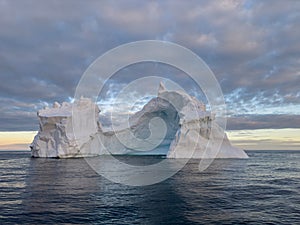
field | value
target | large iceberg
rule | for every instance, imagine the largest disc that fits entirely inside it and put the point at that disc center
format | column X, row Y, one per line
column 173, row 120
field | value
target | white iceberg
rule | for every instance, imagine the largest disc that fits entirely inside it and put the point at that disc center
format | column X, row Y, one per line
column 55, row 137
column 173, row 120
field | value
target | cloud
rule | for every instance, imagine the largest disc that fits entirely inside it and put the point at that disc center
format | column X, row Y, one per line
column 268, row 121
column 252, row 47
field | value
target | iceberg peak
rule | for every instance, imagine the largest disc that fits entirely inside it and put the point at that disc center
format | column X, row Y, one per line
column 161, row 87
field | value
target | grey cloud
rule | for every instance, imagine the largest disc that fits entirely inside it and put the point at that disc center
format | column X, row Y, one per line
column 271, row 121
column 45, row 46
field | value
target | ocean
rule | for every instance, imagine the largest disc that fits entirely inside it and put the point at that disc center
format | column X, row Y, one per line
column 264, row 189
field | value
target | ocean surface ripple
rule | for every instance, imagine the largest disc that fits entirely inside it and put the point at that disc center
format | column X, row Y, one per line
column 264, row 189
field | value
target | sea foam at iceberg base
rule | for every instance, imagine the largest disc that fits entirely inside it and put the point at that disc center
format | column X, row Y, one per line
column 173, row 120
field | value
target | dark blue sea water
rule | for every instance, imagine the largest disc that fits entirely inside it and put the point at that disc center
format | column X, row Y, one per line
column 262, row 189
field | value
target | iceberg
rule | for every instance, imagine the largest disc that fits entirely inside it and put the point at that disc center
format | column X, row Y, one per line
column 173, row 120
column 55, row 138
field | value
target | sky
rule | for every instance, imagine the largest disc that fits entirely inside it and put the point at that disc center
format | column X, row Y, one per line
column 251, row 46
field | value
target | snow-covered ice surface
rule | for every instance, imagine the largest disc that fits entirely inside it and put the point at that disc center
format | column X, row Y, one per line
column 173, row 119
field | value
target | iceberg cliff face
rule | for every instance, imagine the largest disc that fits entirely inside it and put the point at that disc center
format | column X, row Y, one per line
column 173, row 119
column 55, row 137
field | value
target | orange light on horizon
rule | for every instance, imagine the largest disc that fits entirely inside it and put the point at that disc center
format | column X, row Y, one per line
column 262, row 139
column 266, row 139
column 16, row 137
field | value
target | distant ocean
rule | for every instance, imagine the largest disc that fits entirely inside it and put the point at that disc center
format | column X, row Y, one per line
column 262, row 189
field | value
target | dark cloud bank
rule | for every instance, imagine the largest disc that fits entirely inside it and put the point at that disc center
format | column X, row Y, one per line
column 252, row 47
